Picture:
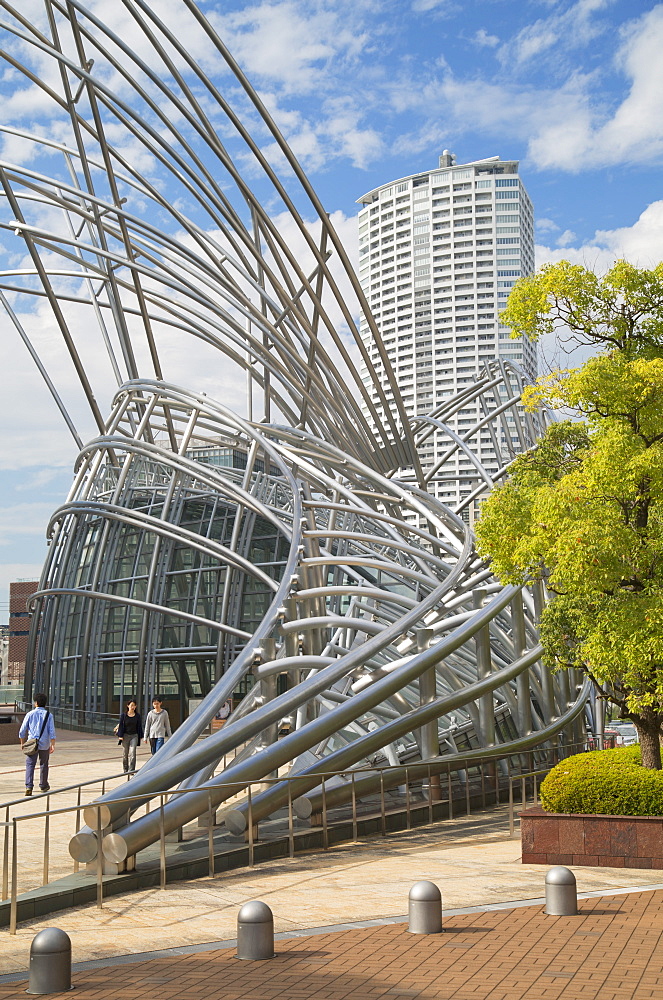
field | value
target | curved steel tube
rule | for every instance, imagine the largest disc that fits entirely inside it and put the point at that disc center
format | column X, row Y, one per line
column 316, row 553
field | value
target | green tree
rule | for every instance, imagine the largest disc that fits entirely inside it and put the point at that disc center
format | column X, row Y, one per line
column 583, row 510
column 623, row 310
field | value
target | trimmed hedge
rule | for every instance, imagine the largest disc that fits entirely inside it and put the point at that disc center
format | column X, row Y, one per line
column 605, row 782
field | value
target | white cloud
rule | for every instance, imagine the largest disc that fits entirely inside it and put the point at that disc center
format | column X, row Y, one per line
column 38, row 434
column 338, row 131
column 567, row 126
column 495, row 108
column 483, row 39
column 346, row 230
column 301, row 52
column 423, row 6
column 343, row 129
column 290, row 43
column 546, row 225
column 24, row 519
column 633, row 133
column 579, row 119
column 641, row 243
column 39, row 479
column 566, row 238
column 562, row 30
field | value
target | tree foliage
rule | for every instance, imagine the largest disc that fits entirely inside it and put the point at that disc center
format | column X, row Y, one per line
column 623, row 310
column 584, row 510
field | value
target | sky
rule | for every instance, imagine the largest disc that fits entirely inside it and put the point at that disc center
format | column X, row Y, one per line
column 366, row 91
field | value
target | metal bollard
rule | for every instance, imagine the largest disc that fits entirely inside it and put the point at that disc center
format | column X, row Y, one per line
column 50, row 962
column 425, row 908
column 561, row 892
column 255, row 931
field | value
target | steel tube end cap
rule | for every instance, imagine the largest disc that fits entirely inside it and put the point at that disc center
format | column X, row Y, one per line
column 235, row 822
column 83, row 847
column 302, row 807
column 115, row 848
column 91, row 816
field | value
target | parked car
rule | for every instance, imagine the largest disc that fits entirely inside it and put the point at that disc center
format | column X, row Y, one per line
column 611, row 738
column 627, row 734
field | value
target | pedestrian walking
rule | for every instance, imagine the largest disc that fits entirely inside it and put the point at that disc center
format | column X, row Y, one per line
column 157, row 725
column 223, row 712
column 37, row 737
column 130, row 732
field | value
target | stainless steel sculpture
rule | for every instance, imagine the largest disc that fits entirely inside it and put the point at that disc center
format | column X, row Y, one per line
column 316, row 555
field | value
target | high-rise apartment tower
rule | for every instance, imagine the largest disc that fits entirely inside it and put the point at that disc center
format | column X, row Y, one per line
column 439, row 252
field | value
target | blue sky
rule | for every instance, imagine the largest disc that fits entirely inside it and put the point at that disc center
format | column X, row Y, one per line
column 369, row 90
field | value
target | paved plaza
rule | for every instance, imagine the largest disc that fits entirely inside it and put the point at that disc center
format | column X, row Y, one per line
column 612, row 950
column 178, row 942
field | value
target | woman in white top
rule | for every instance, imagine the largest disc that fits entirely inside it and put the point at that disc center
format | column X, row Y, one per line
column 157, row 725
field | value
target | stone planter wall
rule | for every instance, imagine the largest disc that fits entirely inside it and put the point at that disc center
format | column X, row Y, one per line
column 610, row 841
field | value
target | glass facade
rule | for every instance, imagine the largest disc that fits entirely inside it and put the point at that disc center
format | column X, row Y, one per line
column 137, row 584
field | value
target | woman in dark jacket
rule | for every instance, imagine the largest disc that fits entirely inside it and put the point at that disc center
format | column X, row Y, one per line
column 130, row 731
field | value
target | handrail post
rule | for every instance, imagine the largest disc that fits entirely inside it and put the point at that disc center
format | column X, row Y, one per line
column 511, row 819
column 383, row 815
column 407, row 800
column 210, row 835
column 78, row 822
column 483, row 785
column 534, row 779
column 100, row 863
column 325, row 832
column 250, row 820
column 13, row 906
column 162, row 843
column 291, row 828
column 430, row 797
column 354, row 810
column 47, row 834
column 5, row 857
column 451, row 801
column 468, row 808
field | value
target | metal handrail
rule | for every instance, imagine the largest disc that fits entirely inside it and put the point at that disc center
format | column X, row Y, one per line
column 73, row 788
column 432, row 795
column 84, row 784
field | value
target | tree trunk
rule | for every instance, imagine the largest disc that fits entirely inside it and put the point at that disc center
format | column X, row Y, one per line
column 650, row 745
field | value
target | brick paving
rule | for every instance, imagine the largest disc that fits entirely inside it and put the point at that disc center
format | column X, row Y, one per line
column 613, row 950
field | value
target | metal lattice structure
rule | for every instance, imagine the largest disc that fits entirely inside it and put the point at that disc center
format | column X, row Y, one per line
column 290, row 541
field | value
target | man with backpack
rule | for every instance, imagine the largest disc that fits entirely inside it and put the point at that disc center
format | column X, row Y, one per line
column 37, row 736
